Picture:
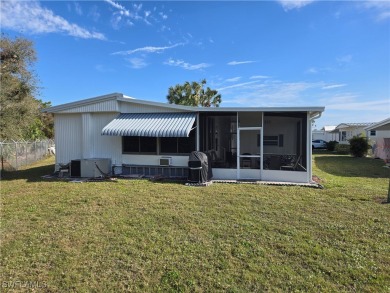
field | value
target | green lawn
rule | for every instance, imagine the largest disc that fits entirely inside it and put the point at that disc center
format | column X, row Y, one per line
column 137, row 235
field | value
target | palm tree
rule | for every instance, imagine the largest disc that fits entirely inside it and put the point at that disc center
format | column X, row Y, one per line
column 193, row 94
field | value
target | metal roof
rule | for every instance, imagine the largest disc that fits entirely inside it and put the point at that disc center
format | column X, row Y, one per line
column 151, row 124
column 381, row 125
column 345, row 125
column 314, row 110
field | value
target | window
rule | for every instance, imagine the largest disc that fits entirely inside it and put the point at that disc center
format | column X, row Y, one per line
column 178, row 145
column 343, row 136
column 270, row 140
column 273, row 140
column 139, row 144
column 168, row 145
column 372, row 132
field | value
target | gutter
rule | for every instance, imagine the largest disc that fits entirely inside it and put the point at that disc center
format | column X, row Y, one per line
column 317, row 116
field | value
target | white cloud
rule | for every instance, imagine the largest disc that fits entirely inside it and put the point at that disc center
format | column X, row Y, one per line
column 239, row 62
column 319, row 70
column 135, row 13
column 378, row 105
column 238, row 85
column 384, row 15
column 185, row 65
column 32, row 17
column 94, row 13
column 163, row 15
column 312, row 70
column 115, row 20
column 147, row 49
column 122, row 9
column 380, row 8
column 103, row 69
column 344, row 59
column 341, row 62
column 119, row 15
column 233, row 79
column 270, row 93
column 137, row 63
column 259, row 77
column 333, row 86
column 164, row 28
column 78, row 9
column 294, row 4
column 339, row 98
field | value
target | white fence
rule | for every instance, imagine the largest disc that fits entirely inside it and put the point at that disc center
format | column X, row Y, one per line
column 15, row 154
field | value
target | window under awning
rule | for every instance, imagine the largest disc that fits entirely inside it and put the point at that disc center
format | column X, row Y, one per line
column 151, row 124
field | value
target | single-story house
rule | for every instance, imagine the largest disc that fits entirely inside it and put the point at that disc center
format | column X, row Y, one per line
column 379, row 130
column 325, row 133
column 144, row 137
column 380, row 134
column 346, row 131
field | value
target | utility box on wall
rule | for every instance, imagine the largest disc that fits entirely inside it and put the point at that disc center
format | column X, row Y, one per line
column 165, row 161
column 90, row 168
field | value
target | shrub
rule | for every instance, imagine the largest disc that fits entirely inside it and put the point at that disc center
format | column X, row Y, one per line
column 358, row 146
column 331, row 145
column 342, row 148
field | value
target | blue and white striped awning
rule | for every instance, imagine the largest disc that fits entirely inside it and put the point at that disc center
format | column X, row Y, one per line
column 151, row 124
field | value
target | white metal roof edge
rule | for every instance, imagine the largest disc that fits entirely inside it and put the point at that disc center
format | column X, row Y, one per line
column 315, row 109
column 263, row 109
column 378, row 124
column 120, row 97
column 84, row 102
column 157, row 104
column 346, row 125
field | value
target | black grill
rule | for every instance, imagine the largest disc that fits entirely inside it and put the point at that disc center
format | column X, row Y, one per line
column 199, row 169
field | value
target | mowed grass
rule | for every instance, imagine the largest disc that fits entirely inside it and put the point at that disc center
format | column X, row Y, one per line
column 136, row 235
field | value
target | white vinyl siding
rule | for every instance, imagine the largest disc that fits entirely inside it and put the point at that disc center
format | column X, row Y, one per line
column 68, row 133
column 77, row 136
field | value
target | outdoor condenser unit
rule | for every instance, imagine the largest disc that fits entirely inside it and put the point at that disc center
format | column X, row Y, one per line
column 165, row 161
column 87, row 167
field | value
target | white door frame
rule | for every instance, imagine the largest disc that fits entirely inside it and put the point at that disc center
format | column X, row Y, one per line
column 239, row 129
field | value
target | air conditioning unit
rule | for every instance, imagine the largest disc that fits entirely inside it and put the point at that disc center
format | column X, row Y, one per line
column 165, row 161
column 89, row 168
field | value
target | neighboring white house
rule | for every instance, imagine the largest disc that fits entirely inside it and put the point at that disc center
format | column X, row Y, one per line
column 379, row 130
column 380, row 134
column 345, row 131
column 325, row 133
column 143, row 137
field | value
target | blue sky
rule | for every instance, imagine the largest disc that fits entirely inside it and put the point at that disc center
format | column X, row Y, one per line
column 258, row 53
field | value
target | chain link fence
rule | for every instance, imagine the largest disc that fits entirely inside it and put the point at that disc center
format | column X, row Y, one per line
column 15, row 154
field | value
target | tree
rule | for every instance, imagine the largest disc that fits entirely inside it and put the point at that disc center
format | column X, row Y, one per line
column 20, row 110
column 193, row 94
column 43, row 125
column 358, row 146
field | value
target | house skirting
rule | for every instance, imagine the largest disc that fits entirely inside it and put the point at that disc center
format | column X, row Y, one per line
column 148, row 170
column 218, row 173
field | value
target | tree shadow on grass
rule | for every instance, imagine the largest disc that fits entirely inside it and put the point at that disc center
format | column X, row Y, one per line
column 347, row 166
column 31, row 174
